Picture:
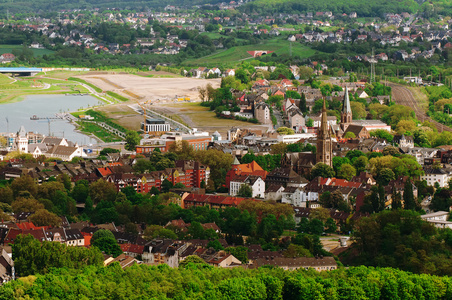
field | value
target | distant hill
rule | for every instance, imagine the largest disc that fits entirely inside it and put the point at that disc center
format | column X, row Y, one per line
column 23, row 6
column 362, row 8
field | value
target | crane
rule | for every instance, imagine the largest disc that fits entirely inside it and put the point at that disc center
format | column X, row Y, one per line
column 141, row 105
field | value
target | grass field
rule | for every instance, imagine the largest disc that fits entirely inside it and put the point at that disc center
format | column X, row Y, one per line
column 201, row 116
column 88, row 127
column 234, row 55
column 13, row 90
column 36, row 52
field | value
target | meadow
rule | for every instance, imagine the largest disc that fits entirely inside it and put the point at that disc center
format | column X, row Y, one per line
column 234, row 55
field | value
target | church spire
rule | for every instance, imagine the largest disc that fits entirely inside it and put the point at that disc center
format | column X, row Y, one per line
column 324, row 153
column 324, row 121
column 346, row 114
column 346, row 105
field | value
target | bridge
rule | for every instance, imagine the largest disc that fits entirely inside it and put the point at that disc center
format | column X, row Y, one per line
column 21, row 71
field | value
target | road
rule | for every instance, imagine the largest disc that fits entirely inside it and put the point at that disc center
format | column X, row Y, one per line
column 402, row 95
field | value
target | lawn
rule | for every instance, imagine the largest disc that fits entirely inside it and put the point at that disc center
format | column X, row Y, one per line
column 99, row 132
column 36, row 52
column 234, row 55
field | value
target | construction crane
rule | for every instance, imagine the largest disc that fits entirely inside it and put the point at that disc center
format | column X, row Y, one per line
column 141, row 105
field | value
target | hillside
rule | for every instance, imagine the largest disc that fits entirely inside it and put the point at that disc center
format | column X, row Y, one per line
column 366, row 9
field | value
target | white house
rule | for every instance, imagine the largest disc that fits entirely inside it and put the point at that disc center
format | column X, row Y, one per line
column 255, row 182
column 440, row 176
column 438, row 219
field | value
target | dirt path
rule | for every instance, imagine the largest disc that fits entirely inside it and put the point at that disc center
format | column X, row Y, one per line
column 402, row 95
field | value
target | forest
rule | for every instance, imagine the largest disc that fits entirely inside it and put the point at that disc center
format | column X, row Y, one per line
column 367, row 9
column 197, row 280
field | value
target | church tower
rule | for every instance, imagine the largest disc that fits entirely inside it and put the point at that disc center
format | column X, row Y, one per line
column 324, row 152
column 346, row 114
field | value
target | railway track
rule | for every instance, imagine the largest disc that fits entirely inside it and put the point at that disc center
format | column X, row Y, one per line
column 402, row 95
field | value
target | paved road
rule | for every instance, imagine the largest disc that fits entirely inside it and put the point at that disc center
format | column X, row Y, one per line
column 402, row 95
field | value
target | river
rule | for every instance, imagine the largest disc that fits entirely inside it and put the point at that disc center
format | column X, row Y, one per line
column 46, row 106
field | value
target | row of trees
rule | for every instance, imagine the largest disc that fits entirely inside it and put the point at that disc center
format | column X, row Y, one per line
column 195, row 279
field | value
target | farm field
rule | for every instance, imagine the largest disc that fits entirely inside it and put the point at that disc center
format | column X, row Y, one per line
column 234, row 55
column 36, row 52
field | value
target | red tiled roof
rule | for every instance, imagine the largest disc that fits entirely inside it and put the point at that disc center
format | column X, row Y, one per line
column 104, row 171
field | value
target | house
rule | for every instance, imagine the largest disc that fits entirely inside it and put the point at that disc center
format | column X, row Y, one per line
column 224, row 260
column 404, row 141
column 288, row 263
column 251, row 168
column 7, row 57
column 262, row 113
column 436, row 176
column 274, row 192
column 358, row 131
column 438, row 219
column 256, row 183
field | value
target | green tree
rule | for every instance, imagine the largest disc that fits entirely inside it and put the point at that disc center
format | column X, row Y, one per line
column 285, row 131
column 322, row 170
column 42, row 217
column 105, row 241
column 408, row 196
column 347, row 171
column 132, row 139
column 102, row 190
column 245, row 191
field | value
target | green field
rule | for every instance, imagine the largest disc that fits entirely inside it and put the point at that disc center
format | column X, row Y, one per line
column 234, row 55
column 36, row 52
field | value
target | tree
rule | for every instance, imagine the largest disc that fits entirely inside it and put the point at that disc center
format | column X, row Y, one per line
column 215, row 244
column 390, row 150
column 26, row 205
column 322, row 170
column 408, row 196
column 24, row 183
column 405, row 125
column 132, row 139
column 396, row 200
column 285, row 131
column 33, row 257
column 192, row 261
column 349, row 135
column 245, row 191
column 330, row 226
column 42, row 217
column 166, row 186
column 280, row 148
column 358, row 110
column 106, row 242
column 296, row 251
column 302, row 104
column 182, row 149
column 196, row 231
column 309, row 122
column 6, row 195
column 157, row 231
column 347, row 171
column 239, row 252
column 202, row 91
column 320, row 213
column 102, row 190
column 360, row 164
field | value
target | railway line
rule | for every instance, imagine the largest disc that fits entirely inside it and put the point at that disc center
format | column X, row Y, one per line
column 402, row 95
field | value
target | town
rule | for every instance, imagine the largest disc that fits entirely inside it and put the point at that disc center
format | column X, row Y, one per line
column 236, row 150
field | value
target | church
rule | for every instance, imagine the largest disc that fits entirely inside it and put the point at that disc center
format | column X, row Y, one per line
column 303, row 162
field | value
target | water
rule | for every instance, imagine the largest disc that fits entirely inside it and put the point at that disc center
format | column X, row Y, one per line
column 44, row 106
